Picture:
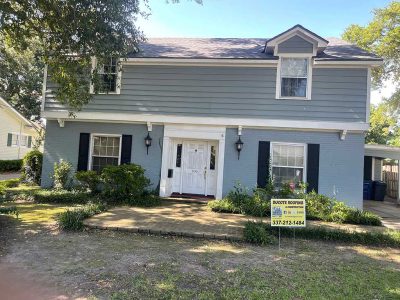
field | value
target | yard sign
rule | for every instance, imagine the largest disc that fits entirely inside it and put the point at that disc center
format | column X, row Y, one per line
column 288, row 212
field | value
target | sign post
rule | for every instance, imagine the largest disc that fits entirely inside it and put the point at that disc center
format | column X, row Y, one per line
column 288, row 213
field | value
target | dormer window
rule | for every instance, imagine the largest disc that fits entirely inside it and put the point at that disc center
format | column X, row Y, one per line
column 294, row 80
column 109, row 77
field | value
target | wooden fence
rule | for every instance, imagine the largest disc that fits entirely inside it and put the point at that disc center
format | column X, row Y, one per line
column 390, row 175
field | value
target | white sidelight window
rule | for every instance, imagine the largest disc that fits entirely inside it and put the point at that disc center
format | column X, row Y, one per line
column 288, row 164
column 105, row 151
column 294, row 78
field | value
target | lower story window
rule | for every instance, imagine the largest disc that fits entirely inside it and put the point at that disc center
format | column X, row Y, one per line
column 288, row 164
column 105, row 151
column 15, row 140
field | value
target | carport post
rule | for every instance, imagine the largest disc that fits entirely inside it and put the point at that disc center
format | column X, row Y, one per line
column 398, row 181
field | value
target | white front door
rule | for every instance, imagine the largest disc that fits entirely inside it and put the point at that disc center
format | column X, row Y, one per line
column 194, row 173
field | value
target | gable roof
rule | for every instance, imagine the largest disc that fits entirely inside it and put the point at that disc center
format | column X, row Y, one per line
column 301, row 28
column 5, row 105
column 240, row 48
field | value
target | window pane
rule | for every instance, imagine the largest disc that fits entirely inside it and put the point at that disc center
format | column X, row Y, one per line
column 294, row 67
column 288, row 155
column 293, row 87
column 286, row 175
column 212, row 158
column 98, row 163
column 178, row 155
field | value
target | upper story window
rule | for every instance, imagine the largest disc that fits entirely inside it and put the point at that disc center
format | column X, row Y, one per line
column 109, row 77
column 294, row 78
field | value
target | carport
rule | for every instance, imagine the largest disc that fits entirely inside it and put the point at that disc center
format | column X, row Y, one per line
column 373, row 162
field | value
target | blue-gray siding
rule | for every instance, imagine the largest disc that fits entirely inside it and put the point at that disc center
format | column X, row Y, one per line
column 295, row 44
column 337, row 94
column 63, row 143
column 341, row 162
column 340, row 166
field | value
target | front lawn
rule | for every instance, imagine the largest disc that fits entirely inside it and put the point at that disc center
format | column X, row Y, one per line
column 117, row 265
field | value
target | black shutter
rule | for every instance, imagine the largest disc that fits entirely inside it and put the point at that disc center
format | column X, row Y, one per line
column 263, row 163
column 367, row 167
column 83, row 157
column 126, row 149
column 312, row 167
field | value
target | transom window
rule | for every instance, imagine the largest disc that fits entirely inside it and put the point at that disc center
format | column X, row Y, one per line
column 288, row 164
column 105, row 151
column 293, row 77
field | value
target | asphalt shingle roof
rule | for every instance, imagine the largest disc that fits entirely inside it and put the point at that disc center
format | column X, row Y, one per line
column 238, row 48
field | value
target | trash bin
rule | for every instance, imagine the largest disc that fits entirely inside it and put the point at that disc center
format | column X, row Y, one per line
column 367, row 190
column 379, row 190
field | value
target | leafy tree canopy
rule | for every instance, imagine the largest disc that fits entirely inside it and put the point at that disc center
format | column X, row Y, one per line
column 21, row 76
column 382, row 36
column 71, row 33
column 384, row 128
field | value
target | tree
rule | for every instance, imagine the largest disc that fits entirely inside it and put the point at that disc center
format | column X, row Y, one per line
column 384, row 128
column 21, row 76
column 382, row 36
column 71, row 33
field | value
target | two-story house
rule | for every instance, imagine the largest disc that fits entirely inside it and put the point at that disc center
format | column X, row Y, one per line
column 200, row 114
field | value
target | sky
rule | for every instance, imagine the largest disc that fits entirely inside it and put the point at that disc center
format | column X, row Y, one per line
column 257, row 19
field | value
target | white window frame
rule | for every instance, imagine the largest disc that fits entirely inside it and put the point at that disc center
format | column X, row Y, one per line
column 304, row 179
column 19, row 135
column 119, row 78
column 309, row 75
column 92, row 135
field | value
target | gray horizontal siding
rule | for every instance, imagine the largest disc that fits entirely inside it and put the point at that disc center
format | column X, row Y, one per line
column 295, row 44
column 337, row 94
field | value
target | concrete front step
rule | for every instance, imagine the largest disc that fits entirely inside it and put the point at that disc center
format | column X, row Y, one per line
column 186, row 200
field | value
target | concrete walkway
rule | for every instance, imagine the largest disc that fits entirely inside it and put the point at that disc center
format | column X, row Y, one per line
column 10, row 175
column 191, row 220
column 388, row 211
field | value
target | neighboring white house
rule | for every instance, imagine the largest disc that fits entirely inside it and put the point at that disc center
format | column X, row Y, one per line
column 17, row 134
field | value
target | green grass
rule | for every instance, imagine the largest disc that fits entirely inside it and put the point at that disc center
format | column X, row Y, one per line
column 264, row 233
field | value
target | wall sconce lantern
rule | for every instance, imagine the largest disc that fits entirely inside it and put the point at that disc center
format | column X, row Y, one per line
column 148, row 139
column 239, row 146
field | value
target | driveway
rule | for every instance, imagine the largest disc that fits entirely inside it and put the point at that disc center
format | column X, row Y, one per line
column 10, row 175
column 388, row 211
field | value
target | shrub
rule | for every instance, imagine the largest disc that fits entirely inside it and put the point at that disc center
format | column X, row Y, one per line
column 60, row 196
column 124, row 183
column 389, row 238
column 239, row 195
column 9, row 183
column 10, row 165
column 89, row 180
column 344, row 214
column 32, row 167
column 146, row 200
column 256, row 233
column 10, row 210
column 62, row 175
column 72, row 219
column 318, row 206
column 223, row 206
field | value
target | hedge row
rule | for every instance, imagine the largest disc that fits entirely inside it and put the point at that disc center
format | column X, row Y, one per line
column 10, row 165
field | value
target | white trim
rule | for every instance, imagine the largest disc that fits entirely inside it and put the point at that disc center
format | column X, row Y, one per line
column 17, row 113
column 309, row 77
column 92, row 135
column 227, row 62
column 44, row 89
column 343, row 134
column 368, row 108
column 373, row 169
column 352, row 63
column 190, row 132
column 304, row 145
column 295, row 31
column 221, row 121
